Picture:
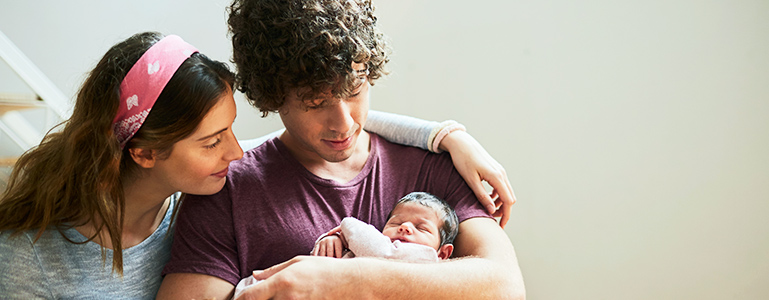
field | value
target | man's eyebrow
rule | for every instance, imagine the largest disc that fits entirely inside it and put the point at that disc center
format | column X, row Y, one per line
column 212, row 135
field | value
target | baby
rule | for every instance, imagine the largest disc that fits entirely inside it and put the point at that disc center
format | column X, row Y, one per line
column 421, row 228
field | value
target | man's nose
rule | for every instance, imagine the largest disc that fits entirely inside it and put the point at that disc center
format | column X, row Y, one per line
column 340, row 117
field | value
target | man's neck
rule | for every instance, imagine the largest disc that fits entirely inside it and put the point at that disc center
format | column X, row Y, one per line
column 342, row 171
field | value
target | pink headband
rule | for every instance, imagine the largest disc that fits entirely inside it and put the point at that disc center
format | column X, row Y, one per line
column 144, row 82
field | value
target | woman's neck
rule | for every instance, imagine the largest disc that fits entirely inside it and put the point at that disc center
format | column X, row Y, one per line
column 146, row 204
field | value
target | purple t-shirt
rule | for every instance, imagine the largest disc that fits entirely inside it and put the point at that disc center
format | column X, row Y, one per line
column 272, row 208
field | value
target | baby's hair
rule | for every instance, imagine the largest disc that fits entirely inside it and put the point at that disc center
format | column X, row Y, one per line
column 450, row 226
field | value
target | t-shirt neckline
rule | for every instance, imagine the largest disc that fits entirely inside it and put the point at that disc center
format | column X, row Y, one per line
column 159, row 232
column 365, row 171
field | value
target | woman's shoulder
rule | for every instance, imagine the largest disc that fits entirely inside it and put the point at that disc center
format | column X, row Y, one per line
column 28, row 241
column 21, row 274
column 51, row 243
column 10, row 240
column 16, row 250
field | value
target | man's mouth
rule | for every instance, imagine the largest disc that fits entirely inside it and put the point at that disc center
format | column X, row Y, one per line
column 339, row 144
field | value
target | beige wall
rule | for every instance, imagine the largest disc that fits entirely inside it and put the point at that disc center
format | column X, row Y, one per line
column 635, row 133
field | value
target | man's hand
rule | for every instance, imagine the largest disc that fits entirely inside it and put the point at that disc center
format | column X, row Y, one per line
column 305, row 277
column 476, row 165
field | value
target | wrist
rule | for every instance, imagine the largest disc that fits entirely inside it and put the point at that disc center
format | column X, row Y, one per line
column 444, row 130
column 453, row 140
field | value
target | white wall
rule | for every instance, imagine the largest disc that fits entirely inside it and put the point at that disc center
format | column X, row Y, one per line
column 635, row 133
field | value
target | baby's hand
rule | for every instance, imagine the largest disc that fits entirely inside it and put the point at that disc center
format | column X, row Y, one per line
column 331, row 246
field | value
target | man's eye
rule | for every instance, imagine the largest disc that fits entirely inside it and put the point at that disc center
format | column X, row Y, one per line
column 313, row 104
column 362, row 74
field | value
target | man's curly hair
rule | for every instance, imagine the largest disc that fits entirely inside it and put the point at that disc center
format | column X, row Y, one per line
column 283, row 45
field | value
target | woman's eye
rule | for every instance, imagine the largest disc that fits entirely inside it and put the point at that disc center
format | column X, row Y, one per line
column 212, row 146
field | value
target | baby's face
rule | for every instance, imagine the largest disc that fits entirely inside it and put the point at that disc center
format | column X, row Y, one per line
column 414, row 223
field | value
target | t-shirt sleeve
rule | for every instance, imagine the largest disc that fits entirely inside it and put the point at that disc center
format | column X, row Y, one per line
column 21, row 275
column 204, row 238
column 456, row 192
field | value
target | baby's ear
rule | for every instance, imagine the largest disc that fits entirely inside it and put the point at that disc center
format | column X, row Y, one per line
column 444, row 252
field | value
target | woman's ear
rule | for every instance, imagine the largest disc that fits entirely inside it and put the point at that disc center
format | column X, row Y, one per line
column 444, row 252
column 143, row 157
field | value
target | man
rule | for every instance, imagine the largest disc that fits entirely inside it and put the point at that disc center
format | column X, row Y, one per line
column 313, row 62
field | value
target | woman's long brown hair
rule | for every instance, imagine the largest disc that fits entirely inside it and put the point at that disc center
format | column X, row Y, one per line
column 73, row 177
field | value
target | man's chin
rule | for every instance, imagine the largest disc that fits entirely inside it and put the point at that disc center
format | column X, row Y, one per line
column 338, row 157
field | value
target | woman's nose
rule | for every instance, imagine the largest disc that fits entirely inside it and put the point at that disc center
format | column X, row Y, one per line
column 234, row 152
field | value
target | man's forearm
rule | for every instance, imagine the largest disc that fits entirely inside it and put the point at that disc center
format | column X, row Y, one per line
column 465, row 278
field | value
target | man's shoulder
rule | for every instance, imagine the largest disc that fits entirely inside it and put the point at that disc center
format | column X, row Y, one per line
column 384, row 146
column 258, row 157
column 402, row 154
column 267, row 165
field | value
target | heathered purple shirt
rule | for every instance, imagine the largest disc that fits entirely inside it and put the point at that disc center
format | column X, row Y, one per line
column 272, row 208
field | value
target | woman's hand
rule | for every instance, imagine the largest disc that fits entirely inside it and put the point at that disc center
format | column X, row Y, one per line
column 476, row 165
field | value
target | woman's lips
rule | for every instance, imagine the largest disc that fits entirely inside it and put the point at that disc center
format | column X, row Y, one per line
column 222, row 173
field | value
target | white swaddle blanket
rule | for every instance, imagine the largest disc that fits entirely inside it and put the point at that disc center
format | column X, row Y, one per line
column 366, row 241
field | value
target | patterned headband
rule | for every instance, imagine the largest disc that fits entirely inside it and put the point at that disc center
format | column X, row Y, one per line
column 144, row 83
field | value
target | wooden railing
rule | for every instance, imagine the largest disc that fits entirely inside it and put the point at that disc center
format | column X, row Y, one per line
column 16, row 126
column 32, row 76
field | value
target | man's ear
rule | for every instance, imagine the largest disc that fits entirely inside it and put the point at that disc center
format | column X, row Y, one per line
column 444, row 252
column 145, row 158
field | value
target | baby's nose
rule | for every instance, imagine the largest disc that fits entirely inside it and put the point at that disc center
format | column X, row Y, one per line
column 406, row 228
